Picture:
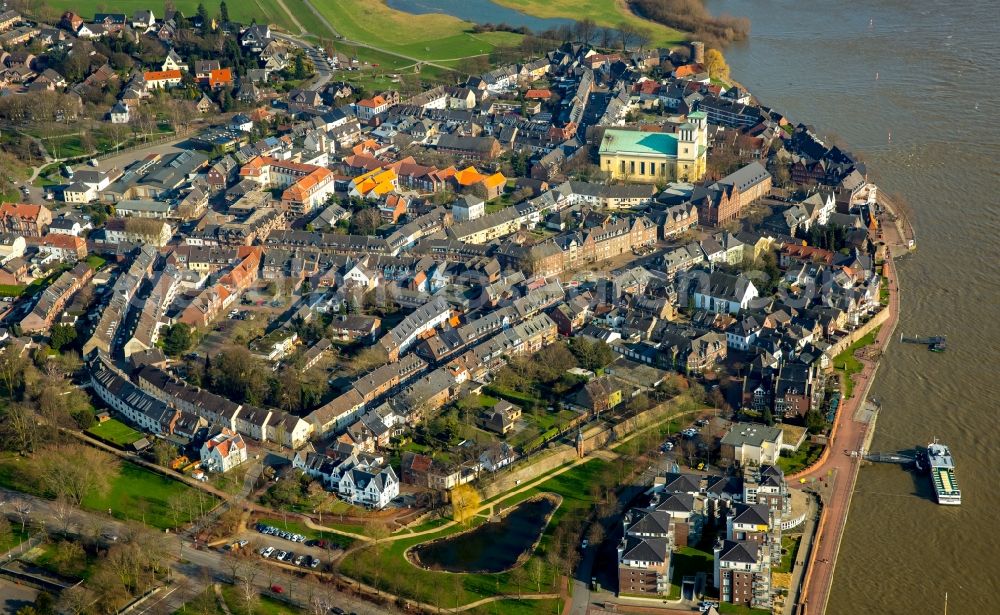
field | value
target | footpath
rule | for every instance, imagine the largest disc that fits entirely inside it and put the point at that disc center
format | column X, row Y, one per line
column 840, row 463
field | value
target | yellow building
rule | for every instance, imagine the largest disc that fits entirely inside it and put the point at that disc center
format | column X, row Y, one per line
column 657, row 157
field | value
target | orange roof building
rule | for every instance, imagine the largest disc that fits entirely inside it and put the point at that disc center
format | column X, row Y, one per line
column 374, row 184
column 218, row 78
column 538, row 94
column 162, row 78
column 305, row 185
column 468, row 177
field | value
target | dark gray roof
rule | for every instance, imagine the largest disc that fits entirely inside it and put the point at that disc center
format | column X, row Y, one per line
column 740, row 552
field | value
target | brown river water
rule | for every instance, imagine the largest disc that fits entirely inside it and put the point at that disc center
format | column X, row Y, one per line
column 927, row 73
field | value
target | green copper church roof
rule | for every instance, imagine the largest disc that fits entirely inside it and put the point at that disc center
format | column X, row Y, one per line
column 639, row 143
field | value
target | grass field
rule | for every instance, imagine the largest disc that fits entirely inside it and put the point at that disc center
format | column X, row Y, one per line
column 265, row 604
column 432, row 37
column 94, row 261
column 262, row 10
column 141, row 495
column 608, row 13
column 116, row 432
column 391, row 570
column 789, row 547
column 136, row 493
column 15, row 538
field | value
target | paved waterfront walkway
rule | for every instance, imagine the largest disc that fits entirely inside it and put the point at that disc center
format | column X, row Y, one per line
column 848, row 435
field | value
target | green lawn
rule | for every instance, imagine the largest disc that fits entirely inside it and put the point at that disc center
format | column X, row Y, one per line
column 847, row 364
column 604, row 12
column 688, row 561
column 140, row 495
column 136, row 493
column 94, row 261
column 11, row 290
column 265, row 604
column 789, row 547
column 736, row 609
column 801, row 459
column 394, row 573
column 433, row 36
column 16, row 537
column 115, row 432
column 46, row 556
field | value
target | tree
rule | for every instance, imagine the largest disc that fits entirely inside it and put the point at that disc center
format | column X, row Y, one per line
column 76, row 471
column 464, row 502
column 177, row 339
column 203, row 16
column 768, row 416
column 300, row 66
column 592, row 355
column 164, row 452
column 715, row 64
column 223, row 12
column 19, row 429
column 61, row 335
column 365, row 221
column 586, row 30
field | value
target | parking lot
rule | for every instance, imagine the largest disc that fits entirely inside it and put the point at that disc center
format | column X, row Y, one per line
column 289, row 547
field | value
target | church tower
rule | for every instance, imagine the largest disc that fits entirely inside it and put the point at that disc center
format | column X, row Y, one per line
column 692, row 147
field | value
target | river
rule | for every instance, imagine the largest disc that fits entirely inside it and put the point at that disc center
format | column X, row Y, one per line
column 926, row 72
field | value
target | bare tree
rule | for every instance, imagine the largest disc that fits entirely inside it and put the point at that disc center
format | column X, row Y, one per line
column 249, row 596
column 22, row 508
column 62, row 510
column 586, row 30
column 75, row 470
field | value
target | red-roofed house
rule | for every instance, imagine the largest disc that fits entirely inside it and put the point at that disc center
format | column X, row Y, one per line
column 367, row 108
column 224, row 451
column 305, row 185
column 67, row 248
column 243, row 275
column 688, row 70
column 218, row 78
column 156, row 79
column 538, row 94
column 206, row 306
column 24, row 219
column 393, row 207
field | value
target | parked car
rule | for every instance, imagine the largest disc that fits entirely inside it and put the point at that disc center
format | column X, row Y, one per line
column 277, row 589
column 267, row 552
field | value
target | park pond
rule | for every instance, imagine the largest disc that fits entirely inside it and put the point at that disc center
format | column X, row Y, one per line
column 494, row 546
column 478, row 11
